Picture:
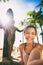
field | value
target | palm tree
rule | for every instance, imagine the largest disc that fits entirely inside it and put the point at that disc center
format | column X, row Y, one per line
column 40, row 4
column 4, row 0
column 41, row 23
column 36, row 17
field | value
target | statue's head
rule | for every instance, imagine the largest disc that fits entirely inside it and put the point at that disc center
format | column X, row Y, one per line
column 10, row 17
column 10, row 13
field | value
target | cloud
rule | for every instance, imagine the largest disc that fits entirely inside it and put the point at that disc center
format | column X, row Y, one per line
column 19, row 7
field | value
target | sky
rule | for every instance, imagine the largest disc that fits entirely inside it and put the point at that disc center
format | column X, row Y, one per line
column 20, row 9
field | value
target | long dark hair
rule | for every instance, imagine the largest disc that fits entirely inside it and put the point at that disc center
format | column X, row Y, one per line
column 30, row 26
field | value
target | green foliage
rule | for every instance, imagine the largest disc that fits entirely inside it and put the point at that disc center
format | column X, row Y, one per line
column 5, row 0
column 40, row 4
column 36, row 17
column 29, row 13
column 41, row 33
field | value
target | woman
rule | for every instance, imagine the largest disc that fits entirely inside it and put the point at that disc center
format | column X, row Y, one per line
column 26, row 48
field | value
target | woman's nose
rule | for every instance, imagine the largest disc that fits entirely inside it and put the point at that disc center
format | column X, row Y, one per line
column 29, row 35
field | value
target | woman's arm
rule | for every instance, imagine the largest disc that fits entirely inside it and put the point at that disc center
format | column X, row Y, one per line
column 34, row 58
column 21, row 51
column 36, row 62
column 2, row 27
column 34, row 55
column 19, row 30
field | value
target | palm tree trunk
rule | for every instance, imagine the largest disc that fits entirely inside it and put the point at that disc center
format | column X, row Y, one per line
column 42, row 38
column 36, row 29
column 42, row 34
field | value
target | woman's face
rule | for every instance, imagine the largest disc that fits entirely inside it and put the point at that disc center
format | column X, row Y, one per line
column 30, row 34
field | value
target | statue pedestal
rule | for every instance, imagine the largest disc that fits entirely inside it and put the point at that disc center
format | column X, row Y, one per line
column 1, row 44
column 1, row 54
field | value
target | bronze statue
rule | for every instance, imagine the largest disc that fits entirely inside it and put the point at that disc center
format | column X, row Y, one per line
column 9, row 36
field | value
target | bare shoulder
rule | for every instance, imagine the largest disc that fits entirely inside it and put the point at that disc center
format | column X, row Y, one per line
column 40, row 46
column 37, row 50
column 21, row 46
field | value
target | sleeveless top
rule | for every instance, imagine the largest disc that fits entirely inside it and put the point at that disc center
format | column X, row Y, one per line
column 25, row 55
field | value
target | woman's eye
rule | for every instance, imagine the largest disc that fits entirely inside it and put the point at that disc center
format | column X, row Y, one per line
column 27, row 33
column 33, row 33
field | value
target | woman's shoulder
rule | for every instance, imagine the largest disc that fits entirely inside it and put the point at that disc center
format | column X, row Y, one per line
column 40, row 46
column 21, row 46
